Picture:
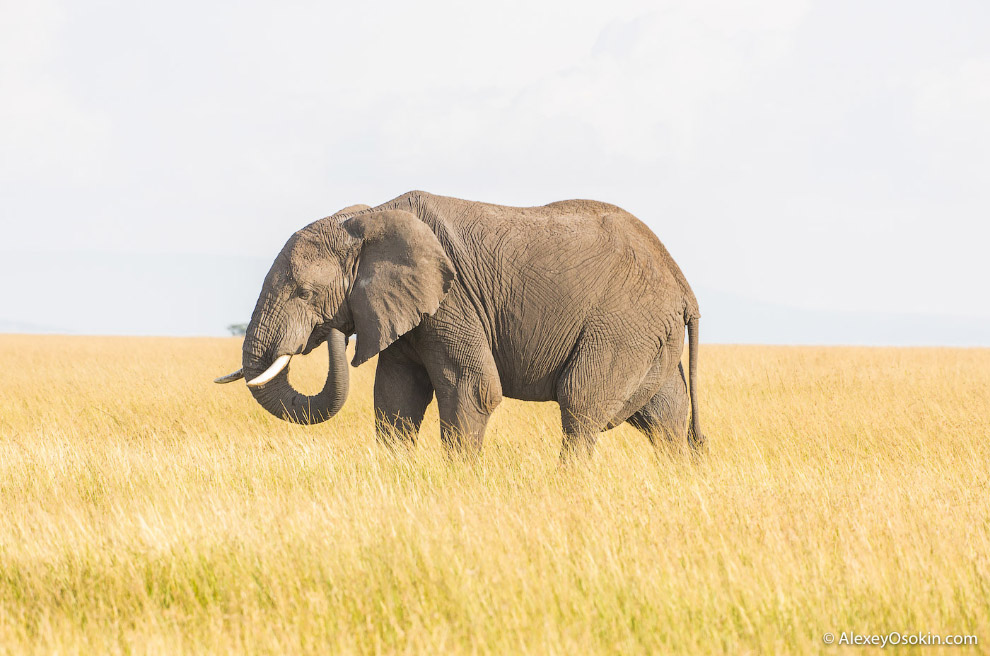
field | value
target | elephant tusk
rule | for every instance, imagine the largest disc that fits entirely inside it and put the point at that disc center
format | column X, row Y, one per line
column 280, row 363
column 229, row 378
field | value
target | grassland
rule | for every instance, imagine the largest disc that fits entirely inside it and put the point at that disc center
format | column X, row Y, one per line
column 145, row 510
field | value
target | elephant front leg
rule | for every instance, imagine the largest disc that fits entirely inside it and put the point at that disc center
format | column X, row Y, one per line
column 453, row 348
column 402, row 392
column 465, row 407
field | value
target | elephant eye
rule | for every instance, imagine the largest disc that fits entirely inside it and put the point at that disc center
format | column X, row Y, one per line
column 305, row 294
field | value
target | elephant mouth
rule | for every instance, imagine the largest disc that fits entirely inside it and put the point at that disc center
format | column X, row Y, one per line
column 282, row 361
column 269, row 383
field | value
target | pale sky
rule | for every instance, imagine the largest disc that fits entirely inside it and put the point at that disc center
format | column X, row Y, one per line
column 824, row 157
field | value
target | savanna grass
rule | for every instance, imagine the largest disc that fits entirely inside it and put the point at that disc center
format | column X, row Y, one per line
column 147, row 510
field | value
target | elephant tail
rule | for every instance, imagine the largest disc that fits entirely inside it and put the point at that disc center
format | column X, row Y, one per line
column 695, row 436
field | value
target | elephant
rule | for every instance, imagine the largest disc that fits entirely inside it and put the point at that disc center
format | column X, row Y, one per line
column 576, row 302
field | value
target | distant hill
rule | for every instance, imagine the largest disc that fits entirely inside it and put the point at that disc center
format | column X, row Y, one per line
column 727, row 318
column 8, row 326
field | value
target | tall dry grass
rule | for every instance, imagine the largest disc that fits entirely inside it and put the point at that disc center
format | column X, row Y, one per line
column 146, row 510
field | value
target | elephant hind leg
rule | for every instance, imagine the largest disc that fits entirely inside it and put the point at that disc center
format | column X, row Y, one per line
column 665, row 415
column 583, row 416
column 598, row 390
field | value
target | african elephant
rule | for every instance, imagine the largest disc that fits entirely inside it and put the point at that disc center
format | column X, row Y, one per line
column 576, row 302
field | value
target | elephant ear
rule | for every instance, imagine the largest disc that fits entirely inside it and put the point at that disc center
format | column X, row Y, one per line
column 403, row 275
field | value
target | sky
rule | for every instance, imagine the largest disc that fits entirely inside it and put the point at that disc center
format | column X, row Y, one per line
column 819, row 170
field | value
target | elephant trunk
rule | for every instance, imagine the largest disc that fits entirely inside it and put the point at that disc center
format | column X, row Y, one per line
column 277, row 395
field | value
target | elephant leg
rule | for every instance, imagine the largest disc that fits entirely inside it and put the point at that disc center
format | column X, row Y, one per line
column 595, row 389
column 402, row 392
column 456, row 354
column 665, row 415
column 464, row 411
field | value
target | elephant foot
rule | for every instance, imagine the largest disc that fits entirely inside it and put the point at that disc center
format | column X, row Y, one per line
column 577, row 447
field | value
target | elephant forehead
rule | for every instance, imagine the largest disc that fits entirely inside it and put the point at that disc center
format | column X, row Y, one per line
column 310, row 262
column 301, row 250
column 306, row 252
column 309, row 254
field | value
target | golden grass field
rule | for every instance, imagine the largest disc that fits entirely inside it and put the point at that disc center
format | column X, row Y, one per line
column 147, row 510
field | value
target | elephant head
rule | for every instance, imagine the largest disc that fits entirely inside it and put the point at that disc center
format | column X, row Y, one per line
column 376, row 273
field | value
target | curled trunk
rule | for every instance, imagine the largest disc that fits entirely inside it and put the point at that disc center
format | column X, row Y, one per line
column 278, row 397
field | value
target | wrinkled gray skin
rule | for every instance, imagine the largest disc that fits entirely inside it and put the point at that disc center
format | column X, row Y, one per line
column 575, row 302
